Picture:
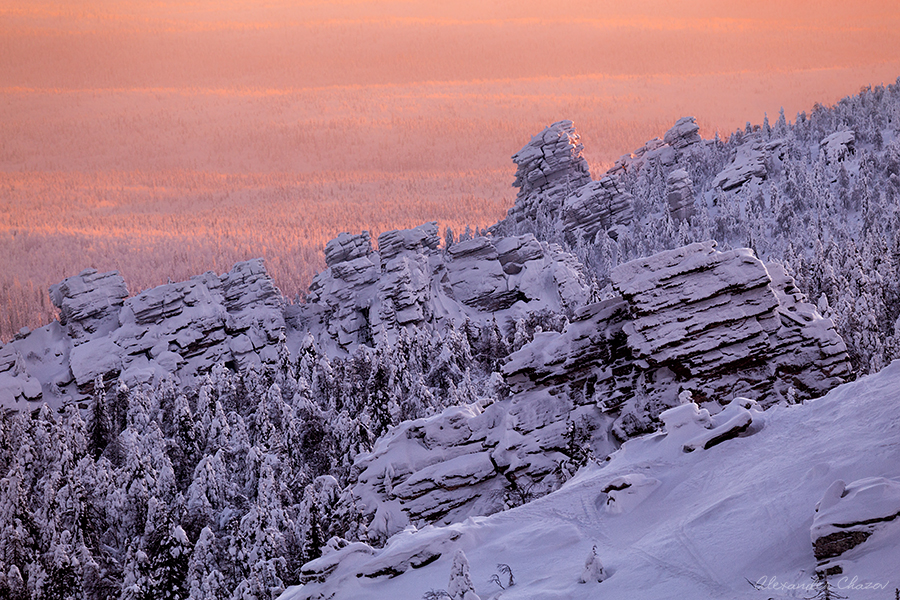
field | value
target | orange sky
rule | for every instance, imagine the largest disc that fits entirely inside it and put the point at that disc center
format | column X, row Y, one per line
column 725, row 62
column 245, row 129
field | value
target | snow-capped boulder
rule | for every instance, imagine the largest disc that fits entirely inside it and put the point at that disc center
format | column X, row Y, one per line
column 847, row 515
column 683, row 134
column 838, row 146
column 749, row 162
column 735, row 420
column 316, row 571
column 626, row 492
column 89, row 303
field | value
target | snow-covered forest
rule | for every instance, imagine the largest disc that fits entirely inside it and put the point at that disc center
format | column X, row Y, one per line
column 224, row 485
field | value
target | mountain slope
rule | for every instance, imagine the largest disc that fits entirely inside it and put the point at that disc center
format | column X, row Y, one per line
column 698, row 525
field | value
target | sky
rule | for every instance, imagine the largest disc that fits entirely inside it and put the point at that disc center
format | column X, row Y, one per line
column 193, row 134
column 515, row 64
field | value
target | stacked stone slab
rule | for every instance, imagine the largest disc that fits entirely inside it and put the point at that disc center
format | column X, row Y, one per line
column 676, row 148
column 180, row 328
column 683, row 134
column 749, row 162
column 549, row 169
column 559, row 201
column 89, row 303
column 365, row 295
column 680, row 194
column 596, row 207
column 716, row 323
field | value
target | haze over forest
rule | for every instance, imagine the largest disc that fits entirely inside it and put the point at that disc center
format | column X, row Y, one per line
column 164, row 139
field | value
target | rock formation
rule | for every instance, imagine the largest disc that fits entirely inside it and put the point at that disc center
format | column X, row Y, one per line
column 677, row 145
column 556, row 192
column 181, row 328
column 848, row 515
column 549, row 169
column 716, row 323
column 684, row 134
column 366, row 294
column 693, row 322
column 838, row 146
column 748, row 162
column 680, row 194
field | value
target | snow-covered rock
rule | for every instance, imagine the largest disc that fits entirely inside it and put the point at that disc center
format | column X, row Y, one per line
column 597, row 206
column 680, row 194
column 847, row 515
column 626, row 492
column 182, row 328
column 89, row 303
column 748, row 162
column 463, row 462
column 556, row 190
column 838, row 146
column 346, row 247
column 410, row 282
column 683, row 134
column 715, row 323
column 673, row 150
column 550, row 168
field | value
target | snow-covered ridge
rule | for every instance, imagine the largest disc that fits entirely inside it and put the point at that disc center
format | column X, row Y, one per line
column 240, row 318
column 666, row 523
column 712, row 324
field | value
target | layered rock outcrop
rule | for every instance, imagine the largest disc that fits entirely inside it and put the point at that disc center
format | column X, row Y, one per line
column 549, row 169
column 716, row 323
column 365, row 294
column 240, row 318
column 89, row 303
column 181, row 328
column 680, row 194
column 683, row 134
column 556, row 193
column 749, row 162
column 719, row 328
column 466, row 461
column 674, row 149
column 597, row 207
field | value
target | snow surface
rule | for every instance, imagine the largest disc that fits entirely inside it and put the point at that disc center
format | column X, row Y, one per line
column 707, row 521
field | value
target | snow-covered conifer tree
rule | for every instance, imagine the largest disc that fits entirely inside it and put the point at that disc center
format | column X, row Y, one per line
column 460, row 586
